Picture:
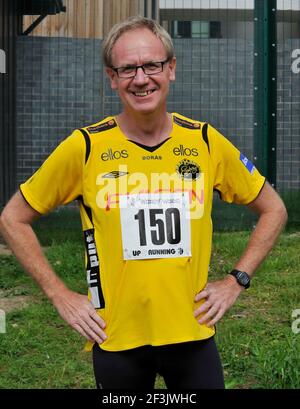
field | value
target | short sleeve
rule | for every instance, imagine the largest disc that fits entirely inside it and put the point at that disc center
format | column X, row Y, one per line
column 59, row 180
column 235, row 177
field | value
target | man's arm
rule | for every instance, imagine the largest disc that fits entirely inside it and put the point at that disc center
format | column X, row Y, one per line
column 74, row 308
column 220, row 295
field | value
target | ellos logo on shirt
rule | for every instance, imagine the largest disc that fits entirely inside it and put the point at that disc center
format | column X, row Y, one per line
column 184, row 151
column 111, row 155
column 247, row 163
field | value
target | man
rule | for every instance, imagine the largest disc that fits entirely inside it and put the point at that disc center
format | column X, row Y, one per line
column 144, row 180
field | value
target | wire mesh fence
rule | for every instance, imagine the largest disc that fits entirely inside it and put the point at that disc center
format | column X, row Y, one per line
column 61, row 83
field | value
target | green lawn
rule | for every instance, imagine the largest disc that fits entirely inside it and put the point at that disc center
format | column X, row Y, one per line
column 255, row 339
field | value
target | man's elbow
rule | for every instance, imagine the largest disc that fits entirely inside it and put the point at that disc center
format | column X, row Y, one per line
column 17, row 212
column 285, row 215
column 11, row 215
column 281, row 213
column 6, row 219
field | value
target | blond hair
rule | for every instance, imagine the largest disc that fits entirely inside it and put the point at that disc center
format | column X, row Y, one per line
column 133, row 23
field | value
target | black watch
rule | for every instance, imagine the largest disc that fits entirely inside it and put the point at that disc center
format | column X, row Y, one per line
column 241, row 277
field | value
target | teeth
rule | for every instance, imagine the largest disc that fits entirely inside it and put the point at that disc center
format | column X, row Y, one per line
column 142, row 94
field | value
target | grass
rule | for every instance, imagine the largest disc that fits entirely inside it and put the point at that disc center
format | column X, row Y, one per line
column 255, row 340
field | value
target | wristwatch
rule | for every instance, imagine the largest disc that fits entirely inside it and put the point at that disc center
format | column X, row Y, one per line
column 241, row 277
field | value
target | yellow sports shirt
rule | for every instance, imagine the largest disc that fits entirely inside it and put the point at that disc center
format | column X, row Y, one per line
column 146, row 217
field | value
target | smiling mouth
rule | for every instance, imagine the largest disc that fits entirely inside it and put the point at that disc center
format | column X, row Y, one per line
column 143, row 94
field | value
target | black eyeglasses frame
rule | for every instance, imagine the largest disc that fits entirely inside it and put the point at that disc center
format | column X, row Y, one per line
column 136, row 67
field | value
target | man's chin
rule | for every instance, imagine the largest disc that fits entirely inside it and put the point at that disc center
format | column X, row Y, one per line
column 145, row 109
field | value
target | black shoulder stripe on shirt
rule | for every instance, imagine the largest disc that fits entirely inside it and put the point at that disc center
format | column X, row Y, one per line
column 205, row 136
column 105, row 126
column 186, row 124
column 87, row 144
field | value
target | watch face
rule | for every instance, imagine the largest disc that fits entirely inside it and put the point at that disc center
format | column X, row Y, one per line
column 242, row 278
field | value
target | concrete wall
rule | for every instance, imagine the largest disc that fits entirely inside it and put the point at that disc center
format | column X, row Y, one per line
column 61, row 86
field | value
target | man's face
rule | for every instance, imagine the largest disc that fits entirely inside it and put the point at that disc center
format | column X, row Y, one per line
column 143, row 93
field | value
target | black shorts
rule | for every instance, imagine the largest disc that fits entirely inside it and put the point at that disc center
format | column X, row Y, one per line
column 188, row 365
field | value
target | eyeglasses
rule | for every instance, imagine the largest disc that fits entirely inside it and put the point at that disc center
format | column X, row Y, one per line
column 130, row 71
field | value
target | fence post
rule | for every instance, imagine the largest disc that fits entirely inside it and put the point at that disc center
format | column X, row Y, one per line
column 265, row 88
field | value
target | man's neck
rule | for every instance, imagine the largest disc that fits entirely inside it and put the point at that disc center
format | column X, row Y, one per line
column 148, row 130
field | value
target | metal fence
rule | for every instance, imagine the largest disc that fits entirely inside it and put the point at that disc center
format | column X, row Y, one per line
column 238, row 67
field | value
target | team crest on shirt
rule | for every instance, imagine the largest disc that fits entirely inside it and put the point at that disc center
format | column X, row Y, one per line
column 188, row 170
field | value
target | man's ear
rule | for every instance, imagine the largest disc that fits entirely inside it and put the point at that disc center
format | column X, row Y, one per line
column 112, row 75
column 172, row 69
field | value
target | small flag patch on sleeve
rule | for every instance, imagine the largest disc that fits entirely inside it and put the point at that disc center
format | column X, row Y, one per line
column 248, row 164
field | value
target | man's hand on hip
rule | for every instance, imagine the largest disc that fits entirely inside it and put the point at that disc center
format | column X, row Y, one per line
column 219, row 296
column 80, row 314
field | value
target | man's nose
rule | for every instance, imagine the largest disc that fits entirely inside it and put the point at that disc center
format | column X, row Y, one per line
column 140, row 76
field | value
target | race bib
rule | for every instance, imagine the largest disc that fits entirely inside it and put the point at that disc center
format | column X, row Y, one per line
column 155, row 225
